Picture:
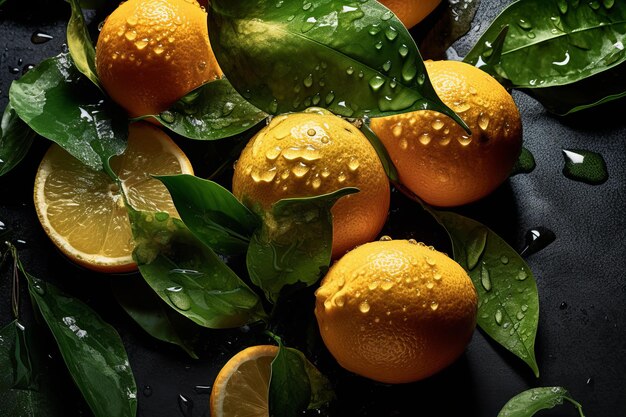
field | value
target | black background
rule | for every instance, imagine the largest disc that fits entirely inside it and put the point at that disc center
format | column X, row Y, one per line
column 581, row 341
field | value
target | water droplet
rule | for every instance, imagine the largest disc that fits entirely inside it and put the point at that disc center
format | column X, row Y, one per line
column 386, row 285
column 434, row 305
column 147, row 391
column 306, row 6
column 430, row 285
column 430, row 261
column 404, row 144
column 350, row 70
column 374, row 29
column 498, row 317
column 14, row 70
column 594, row 5
column 437, row 124
column 424, row 138
column 563, row 306
column 316, row 183
column 311, row 132
column 520, row 315
column 378, row 45
column 179, row 298
column 330, row 97
column 403, row 50
column 483, row 121
column 168, row 116
column 608, row 3
column 537, row 239
column 585, row 166
column 40, row 37
column 376, row 82
column 387, row 66
column 273, row 107
column 206, row 389
column 300, row 170
column 353, row 165
column 386, row 16
column 364, row 307
column 562, row 4
column 186, row 405
column 531, row 35
column 141, row 44
column 308, row 81
column 485, row 278
column 477, row 242
column 522, row 275
column 27, row 68
column 391, row 33
column 504, row 259
column 524, row 24
column 385, row 238
column 340, row 301
column 589, row 381
column 525, row 163
column 397, row 130
column 131, row 35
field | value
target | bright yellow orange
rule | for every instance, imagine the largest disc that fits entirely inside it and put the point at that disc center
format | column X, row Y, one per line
column 150, row 53
column 434, row 156
column 82, row 210
column 396, row 311
column 241, row 387
column 313, row 153
column 411, row 12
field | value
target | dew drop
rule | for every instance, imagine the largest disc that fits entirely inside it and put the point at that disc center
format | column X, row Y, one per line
column 385, row 238
column 522, row 275
column 179, row 298
column 40, row 37
column 483, row 121
column 498, row 317
column 585, row 166
column 391, row 33
column 186, row 405
column 378, row 45
column 387, row 66
column 397, row 130
column 537, row 239
column 386, row 285
column 147, row 391
column 364, row 307
column 308, row 81
column 504, row 259
column 485, row 278
column 329, row 98
column 386, row 16
column 404, row 144
column 403, row 50
column 168, row 116
column 563, row 306
column 434, row 305
column 430, row 285
column 353, row 165
column 300, row 170
column 524, row 24
column 141, row 44
column 437, row 124
column 562, row 4
column 376, row 82
column 424, row 138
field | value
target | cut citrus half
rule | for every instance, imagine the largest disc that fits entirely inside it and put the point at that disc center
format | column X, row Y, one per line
column 242, row 385
column 82, row 210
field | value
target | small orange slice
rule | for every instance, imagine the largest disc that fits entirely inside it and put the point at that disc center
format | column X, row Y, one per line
column 242, row 385
column 82, row 210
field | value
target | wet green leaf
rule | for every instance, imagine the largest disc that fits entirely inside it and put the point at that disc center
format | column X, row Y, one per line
column 321, row 389
column 92, row 350
column 558, row 42
column 80, row 45
column 188, row 275
column 290, row 388
column 212, row 213
column 383, row 155
column 27, row 403
column 15, row 140
column 508, row 302
column 60, row 104
column 294, row 243
column 153, row 315
column 212, row 111
column 528, row 403
column 355, row 58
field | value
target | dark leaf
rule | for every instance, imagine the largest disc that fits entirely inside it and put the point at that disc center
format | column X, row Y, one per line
column 153, row 315
column 321, row 390
column 294, row 243
column 528, row 403
column 27, row 403
column 58, row 103
column 383, row 155
column 15, row 140
column 79, row 43
column 212, row 111
column 188, row 275
column 8, row 338
column 92, row 350
column 212, row 213
column 290, row 389
column 555, row 42
column 508, row 303
column 355, row 58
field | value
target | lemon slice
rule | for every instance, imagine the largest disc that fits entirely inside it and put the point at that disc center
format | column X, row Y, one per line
column 242, row 385
column 82, row 210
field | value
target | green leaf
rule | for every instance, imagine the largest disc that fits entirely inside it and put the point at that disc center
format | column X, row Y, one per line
column 27, row 403
column 555, row 42
column 528, row 403
column 355, row 59
column 153, row 315
column 589, row 92
column 188, row 275
column 213, row 111
column 383, row 155
column 508, row 303
column 8, row 338
column 212, row 213
column 92, row 350
column 290, row 388
column 80, row 45
column 294, row 243
column 321, row 389
column 15, row 140
column 58, row 103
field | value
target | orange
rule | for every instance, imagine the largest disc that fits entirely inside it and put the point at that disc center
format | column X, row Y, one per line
column 82, row 210
column 313, row 153
column 396, row 311
column 434, row 156
column 242, row 385
column 411, row 12
column 150, row 53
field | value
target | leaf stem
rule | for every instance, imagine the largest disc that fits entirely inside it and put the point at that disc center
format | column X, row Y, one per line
column 576, row 404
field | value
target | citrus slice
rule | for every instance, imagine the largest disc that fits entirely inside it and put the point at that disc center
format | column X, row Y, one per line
column 82, row 210
column 242, row 385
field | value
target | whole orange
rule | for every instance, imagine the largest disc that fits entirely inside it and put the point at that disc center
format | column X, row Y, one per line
column 411, row 12
column 150, row 53
column 314, row 153
column 434, row 156
column 396, row 311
